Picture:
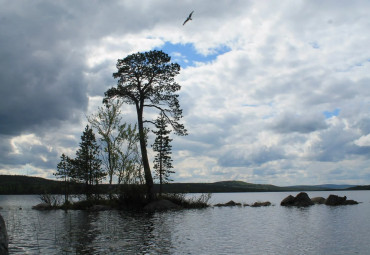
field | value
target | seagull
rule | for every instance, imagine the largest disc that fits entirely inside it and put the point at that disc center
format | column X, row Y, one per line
column 188, row 18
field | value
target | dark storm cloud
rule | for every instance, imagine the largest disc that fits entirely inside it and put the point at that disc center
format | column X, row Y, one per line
column 290, row 122
column 41, row 79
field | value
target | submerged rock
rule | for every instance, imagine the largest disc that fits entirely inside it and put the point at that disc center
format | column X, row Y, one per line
column 230, row 203
column 334, row 200
column 259, row 204
column 318, row 200
column 160, row 205
column 302, row 199
column 4, row 240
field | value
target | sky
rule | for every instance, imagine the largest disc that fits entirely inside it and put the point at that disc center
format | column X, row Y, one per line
column 274, row 92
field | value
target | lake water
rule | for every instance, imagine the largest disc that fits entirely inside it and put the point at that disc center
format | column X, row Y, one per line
column 318, row 229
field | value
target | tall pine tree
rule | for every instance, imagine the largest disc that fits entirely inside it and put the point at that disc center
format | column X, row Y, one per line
column 162, row 160
column 87, row 162
column 147, row 81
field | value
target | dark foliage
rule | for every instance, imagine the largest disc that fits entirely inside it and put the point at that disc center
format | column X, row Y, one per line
column 162, row 146
column 87, row 165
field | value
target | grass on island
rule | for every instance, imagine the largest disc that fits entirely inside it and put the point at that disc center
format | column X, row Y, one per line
column 132, row 198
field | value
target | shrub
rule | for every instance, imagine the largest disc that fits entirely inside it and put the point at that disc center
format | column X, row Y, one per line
column 193, row 202
column 52, row 200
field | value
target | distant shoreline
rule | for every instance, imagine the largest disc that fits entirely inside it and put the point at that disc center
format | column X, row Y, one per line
column 23, row 185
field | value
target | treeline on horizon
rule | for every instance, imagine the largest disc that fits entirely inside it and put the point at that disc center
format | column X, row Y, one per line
column 23, row 185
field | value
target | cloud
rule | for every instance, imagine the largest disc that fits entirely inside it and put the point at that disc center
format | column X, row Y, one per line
column 250, row 157
column 260, row 89
column 290, row 122
column 40, row 73
column 363, row 141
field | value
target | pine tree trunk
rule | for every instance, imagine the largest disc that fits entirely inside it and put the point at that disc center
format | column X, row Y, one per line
column 144, row 155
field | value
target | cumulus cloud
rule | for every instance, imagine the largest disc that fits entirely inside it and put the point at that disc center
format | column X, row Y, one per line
column 363, row 141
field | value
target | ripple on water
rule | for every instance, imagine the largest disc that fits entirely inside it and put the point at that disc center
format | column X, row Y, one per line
column 237, row 230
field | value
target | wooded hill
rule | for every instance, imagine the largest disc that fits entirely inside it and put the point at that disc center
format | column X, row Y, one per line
column 17, row 184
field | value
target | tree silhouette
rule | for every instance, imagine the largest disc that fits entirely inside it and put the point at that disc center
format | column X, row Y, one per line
column 87, row 163
column 162, row 160
column 146, row 80
column 64, row 172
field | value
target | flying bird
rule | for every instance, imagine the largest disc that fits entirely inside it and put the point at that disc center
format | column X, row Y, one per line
column 188, row 18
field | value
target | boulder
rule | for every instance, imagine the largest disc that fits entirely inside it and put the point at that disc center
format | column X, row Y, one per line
column 42, row 207
column 4, row 240
column 302, row 199
column 334, row 200
column 289, row 200
column 318, row 200
column 160, row 205
column 259, row 204
column 230, row 203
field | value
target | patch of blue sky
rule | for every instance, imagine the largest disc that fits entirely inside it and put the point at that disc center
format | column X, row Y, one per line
column 315, row 45
column 186, row 54
column 329, row 114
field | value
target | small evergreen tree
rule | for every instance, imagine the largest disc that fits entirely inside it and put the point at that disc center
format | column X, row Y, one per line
column 87, row 163
column 162, row 160
column 64, row 172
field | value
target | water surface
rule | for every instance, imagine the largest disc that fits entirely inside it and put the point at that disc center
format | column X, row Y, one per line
column 318, row 229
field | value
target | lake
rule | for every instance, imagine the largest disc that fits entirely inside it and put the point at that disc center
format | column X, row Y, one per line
column 318, row 229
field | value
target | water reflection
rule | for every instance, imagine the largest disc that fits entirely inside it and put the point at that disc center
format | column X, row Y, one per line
column 112, row 232
column 318, row 229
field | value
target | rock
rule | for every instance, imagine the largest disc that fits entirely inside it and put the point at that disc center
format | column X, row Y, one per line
column 318, row 200
column 42, row 207
column 4, row 240
column 302, row 199
column 230, row 203
column 334, row 200
column 289, row 200
column 259, row 204
column 160, row 205
column 351, row 202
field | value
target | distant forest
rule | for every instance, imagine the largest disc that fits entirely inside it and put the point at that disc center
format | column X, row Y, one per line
column 19, row 184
